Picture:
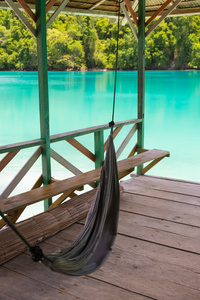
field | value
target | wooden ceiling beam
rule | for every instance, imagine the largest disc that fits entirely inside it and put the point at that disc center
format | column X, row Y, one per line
column 49, row 5
column 158, row 12
column 97, row 4
column 27, row 9
column 164, row 15
column 133, row 14
column 129, row 21
column 56, row 13
column 20, row 15
column 134, row 5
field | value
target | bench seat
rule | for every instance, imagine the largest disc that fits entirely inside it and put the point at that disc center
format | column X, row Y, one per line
column 125, row 166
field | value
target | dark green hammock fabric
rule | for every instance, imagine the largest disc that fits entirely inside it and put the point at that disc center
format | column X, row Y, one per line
column 89, row 251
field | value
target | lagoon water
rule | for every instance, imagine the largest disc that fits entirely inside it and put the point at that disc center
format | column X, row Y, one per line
column 84, row 99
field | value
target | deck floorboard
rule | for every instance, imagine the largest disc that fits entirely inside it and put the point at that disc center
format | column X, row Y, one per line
column 156, row 254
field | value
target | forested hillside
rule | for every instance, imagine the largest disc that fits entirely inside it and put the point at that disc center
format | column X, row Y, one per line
column 76, row 42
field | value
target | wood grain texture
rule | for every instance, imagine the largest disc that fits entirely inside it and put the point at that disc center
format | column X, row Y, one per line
column 75, row 182
column 155, row 256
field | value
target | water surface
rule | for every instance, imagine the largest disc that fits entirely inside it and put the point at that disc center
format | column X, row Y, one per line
column 83, row 99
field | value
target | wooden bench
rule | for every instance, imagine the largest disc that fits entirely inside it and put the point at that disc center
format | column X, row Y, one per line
column 125, row 166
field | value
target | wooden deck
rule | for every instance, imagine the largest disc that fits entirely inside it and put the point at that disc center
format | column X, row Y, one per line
column 156, row 254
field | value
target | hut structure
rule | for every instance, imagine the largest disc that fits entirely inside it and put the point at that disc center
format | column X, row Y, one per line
column 156, row 255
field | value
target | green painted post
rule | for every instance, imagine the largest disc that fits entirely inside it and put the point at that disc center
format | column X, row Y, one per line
column 43, row 91
column 98, row 149
column 141, row 75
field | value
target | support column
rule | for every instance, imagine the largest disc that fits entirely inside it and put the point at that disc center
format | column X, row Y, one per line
column 43, row 91
column 141, row 75
column 98, row 149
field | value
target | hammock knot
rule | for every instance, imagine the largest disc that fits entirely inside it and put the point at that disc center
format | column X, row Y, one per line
column 111, row 124
column 37, row 254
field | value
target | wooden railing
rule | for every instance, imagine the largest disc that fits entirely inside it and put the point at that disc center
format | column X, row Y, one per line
column 97, row 157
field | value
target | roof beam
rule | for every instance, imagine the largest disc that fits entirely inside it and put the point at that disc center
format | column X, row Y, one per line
column 21, row 17
column 133, row 14
column 134, row 5
column 129, row 21
column 97, row 4
column 165, row 14
column 49, row 5
column 27, row 10
column 56, row 13
column 158, row 12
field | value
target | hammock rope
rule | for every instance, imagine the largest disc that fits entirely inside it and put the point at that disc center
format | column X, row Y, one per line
column 93, row 245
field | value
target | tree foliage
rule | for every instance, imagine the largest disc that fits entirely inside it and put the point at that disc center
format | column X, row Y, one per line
column 75, row 42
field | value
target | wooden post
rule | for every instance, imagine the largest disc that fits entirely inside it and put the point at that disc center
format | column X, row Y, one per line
column 141, row 75
column 43, row 91
column 98, row 148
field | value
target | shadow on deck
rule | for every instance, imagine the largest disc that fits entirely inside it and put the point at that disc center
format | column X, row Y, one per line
column 156, row 254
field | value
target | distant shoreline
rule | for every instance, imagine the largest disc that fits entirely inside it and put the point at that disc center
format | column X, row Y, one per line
column 105, row 70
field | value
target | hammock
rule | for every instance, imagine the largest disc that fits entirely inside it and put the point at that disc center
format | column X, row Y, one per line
column 88, row 252
column 93, row 245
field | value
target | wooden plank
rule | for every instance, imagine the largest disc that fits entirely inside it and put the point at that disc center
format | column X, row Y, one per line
column 81, row 148
column 49, row 5
column 129, row 21
column 126, row 140
column 156, row 252
column 56, row 12
column 185, row 188
column 126, row 253
column 22, row 145
column 140, row 188
column 14, row 215
column 65, row 163
column 128, row 227
column 176, row 217
column 164, row 15
column 133, row 14
column 133, row 151
column 74, row 182
column 23, row 287
column 158, row 12
column 151, row 164
column 61, row 199
column 75, row 133
column 8, row 190
column 144, row 283
column 77, row 286
column 27, row 10
column 97, row 4
column 7, row 158
column 21, row 17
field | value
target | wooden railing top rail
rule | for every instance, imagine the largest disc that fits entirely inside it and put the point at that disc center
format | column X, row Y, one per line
column 21, row 145
column 63, row 136
column 75, row 133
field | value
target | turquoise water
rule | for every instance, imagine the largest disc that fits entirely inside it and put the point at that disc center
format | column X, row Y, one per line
column 84, row 99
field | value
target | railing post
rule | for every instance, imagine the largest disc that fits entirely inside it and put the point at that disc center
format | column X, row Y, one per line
column 43, row 91
column 141, row 75
column 98, row 148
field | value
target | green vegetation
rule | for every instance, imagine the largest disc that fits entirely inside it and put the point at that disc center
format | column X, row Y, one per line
column 76, row 42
